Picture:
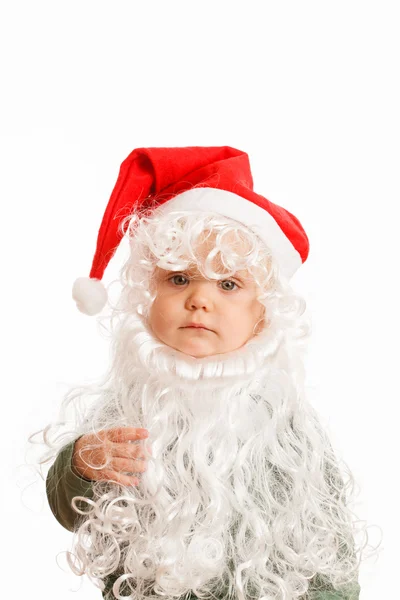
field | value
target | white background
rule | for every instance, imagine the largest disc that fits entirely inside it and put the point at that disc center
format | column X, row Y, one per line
column 311, row 91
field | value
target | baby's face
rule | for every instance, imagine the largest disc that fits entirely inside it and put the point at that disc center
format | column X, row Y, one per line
column 228, row 308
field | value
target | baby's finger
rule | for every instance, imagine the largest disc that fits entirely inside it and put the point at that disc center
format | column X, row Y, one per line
column 129, row 465
column 127, row 434
column 119, row 478
column 131, row 450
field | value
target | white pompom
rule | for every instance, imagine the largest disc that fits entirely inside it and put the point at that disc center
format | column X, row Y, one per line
column 90, row 295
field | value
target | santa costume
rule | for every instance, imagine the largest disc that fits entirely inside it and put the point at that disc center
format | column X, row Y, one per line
column 243, row 496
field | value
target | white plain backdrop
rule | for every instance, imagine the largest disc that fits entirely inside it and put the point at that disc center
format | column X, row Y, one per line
column 311, row 91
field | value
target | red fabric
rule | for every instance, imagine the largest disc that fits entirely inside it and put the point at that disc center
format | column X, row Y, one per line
column 152, row 172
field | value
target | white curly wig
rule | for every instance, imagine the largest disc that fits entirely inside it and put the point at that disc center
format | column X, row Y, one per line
column 243, row 496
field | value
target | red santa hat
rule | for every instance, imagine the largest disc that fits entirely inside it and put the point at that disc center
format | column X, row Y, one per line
column 211, row 179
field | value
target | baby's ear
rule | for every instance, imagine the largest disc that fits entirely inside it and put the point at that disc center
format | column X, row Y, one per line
column 265, row 321
column 259, row 326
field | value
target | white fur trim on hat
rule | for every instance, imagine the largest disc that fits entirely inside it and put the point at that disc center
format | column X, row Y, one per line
column 238, row 208
column 90, row 295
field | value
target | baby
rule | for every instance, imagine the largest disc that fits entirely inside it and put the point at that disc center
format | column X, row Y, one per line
column 200, row 468
column 204, row 319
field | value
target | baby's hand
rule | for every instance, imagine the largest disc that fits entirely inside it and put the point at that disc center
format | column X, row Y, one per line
column 93, row 450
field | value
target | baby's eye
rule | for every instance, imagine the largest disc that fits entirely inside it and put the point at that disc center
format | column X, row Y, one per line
column 229, row 281
column 176, row 277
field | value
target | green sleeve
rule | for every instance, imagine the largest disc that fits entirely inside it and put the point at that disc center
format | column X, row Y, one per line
column 62, row 485
column 353, row 594
column 319, row 590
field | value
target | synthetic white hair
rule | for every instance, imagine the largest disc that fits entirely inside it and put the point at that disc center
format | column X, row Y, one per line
column 243, row 495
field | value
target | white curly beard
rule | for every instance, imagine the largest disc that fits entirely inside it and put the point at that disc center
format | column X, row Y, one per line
column 215, row 512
